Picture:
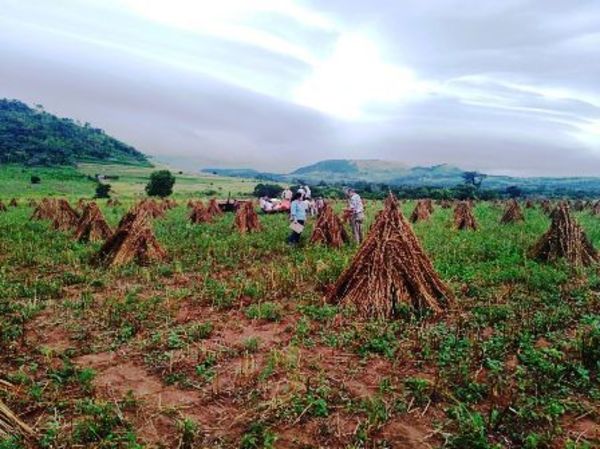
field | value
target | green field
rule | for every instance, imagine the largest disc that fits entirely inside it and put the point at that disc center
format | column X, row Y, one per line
column 230, row 344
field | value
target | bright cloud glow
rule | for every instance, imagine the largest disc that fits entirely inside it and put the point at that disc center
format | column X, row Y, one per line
column 354, row 76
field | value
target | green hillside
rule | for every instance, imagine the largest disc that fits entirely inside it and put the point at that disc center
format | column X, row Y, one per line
column 34, row 137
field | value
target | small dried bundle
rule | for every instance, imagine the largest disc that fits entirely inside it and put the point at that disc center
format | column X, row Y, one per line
column 13, row 203
column 213, row 207
column 169, row 203
column 246, row 218
column 529, row 204
column 65, row 217
column 92, row 226
column 429, row 204
column 32, row 203
column 151, row 207
column 113, row 202
column 191, row 203
column 11, row 425
column 578, row 206
column 2, row 207
column 421, row 212
column 546, row 206
column 389, row 271
column 45, row 210
column 463, row 216
column 565, row 239
column 512, row 213
column 133, row 241
column 329, row 229
column 200, row 214
column 595, row 209
column 446, row 204
column 81, row 202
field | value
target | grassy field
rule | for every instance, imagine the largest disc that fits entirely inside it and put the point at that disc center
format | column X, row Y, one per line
column 76, row 182
column 229, row 342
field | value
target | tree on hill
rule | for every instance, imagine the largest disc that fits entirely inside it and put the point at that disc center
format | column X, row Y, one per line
column 474, row 178
column 270, row 190
column 35, row 137
column 103, row 190
column 161, row 183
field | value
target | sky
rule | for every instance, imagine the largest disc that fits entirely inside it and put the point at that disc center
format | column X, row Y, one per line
column 501, row 86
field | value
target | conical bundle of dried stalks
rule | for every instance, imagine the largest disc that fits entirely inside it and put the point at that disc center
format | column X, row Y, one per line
column 133, row 241
column 595, row 209
column 564, row 240
column 191, row 203
column 213, row 207
column 200, row 214
column 429, row 204
column 65, row 217
column 113, row 202
column 421, row 212
column 463, row 216
column 578, row 206
column 390, row 271
column 512, row 213
column 152, row 208
column 246, row 218
column 529, row 204
column 446, row 204
column 92, row 226
column 546, row 206
column 32, row 203
column 45, row 210
column 329, row 229
column 13, row 203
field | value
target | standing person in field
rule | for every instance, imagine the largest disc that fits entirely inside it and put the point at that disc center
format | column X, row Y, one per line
column 357, row 216
column 287, row 194
column 307, row 193
column 297, row 218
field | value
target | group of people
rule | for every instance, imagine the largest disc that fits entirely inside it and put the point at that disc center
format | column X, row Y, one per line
column 303, row 204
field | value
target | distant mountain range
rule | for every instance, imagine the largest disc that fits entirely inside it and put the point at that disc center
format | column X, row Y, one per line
column 392, row 173
column 33, row 136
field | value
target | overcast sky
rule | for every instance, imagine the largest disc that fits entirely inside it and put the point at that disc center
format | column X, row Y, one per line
column 503, row 86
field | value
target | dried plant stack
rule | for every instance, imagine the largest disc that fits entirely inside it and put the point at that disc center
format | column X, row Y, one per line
column 329, row 229
column 421, row 212
column 390, row 271
column 133, row 241
column 200, row 214
column 92, row 226
column 564, row 240
column 463, row 216
column 512, row 213
column 246, row 218
column 65, row 217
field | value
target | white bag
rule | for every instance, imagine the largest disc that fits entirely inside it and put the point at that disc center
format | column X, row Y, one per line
column 296, row 227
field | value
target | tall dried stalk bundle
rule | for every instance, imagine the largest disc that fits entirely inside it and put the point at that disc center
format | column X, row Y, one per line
column 463, row 216
column 151, row 207
column 92, row 226
column 65, row 217
column 81, row 202
column 429, row 204
column 213, row 207
column 13, row 203
column 529, row 204
column 2, row 207
column 329, row 229
column 246, row 218
column 578, row 206
column 512, row 213
column 546, row 206
column 595, row 209
column 200, row 214
column 45, row 210
column 133, row 241
column 421, row 212
column 389, row 271
column 11, row 425
column 565, row 239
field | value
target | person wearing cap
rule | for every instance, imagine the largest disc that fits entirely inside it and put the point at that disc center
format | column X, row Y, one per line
column 355, row 205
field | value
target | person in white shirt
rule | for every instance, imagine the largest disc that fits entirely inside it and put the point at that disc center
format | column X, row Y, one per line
column 307, row 192
column 302, row 192
column 287, row 194
column 355, row 205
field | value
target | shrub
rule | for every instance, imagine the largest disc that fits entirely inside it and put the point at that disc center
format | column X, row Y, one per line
column 35, row 179
column 161, row 184
column 103, row 190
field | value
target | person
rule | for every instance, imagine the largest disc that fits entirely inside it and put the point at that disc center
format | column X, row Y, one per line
column 265, row 204
column 297, row 217
column 307, row 193
column 302, row 192
column 287, row 194
column 355, row 205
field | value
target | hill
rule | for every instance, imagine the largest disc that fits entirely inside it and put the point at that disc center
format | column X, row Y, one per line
column 34, row 137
